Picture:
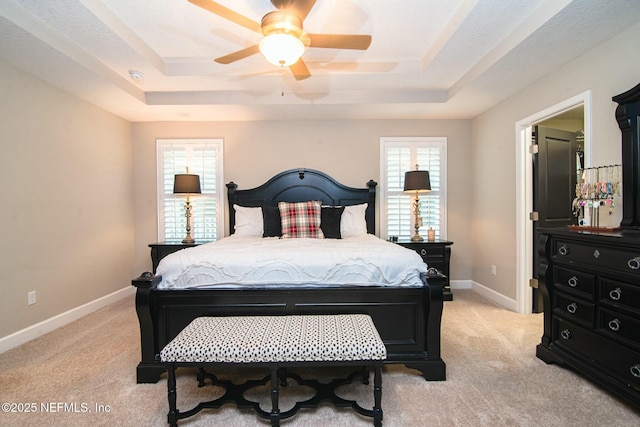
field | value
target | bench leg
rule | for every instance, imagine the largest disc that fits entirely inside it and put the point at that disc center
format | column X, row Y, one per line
column 172, row 416
column 275, row 410
column 365, row 375
column 200, row 376
column 282, row 373
column 377, row 396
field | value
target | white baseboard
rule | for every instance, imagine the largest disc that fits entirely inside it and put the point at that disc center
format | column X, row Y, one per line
column 41, row 328
column 460, row 284
column 508, row 303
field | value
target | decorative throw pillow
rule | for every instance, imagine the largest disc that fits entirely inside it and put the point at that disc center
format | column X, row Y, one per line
column 272, row 222
column 330, row 221
column 248, row 221
column 301, row 219
column 353, row 221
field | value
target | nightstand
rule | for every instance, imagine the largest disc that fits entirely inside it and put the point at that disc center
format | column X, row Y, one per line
column 435, row 254
column 162, row 249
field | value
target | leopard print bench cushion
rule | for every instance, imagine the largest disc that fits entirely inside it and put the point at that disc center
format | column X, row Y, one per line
column 260, row 339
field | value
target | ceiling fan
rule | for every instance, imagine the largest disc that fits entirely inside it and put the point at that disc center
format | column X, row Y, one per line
column 284, row 39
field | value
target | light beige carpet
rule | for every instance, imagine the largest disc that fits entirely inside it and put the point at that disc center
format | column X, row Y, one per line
column 84, row 375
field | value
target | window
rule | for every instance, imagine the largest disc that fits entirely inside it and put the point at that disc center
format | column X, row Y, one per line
column 397, row 156
column 203, row 157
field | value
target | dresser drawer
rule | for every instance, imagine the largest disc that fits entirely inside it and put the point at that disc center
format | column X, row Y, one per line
column 620, row 294
column 426, row 250
column 435, row 262
column 573, row 308
column 620, row 327
column 620, row 362
column 574, row 281
column 621, row 260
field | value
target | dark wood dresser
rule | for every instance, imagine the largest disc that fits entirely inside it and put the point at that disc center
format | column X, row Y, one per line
column 436, row 255
column 591, row 293
column 590, row 282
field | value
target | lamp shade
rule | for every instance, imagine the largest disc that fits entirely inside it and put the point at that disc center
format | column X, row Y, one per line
column 417, row 181
column 185, row 183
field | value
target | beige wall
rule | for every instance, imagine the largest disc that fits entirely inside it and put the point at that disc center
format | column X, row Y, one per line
column 78, row 215
column 607, row 70
column 347, row 150
column 66, row 218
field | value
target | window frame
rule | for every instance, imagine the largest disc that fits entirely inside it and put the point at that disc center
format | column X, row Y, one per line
column 217, row 144
column 413, row 143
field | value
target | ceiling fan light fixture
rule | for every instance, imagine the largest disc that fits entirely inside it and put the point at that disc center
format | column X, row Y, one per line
column 285, row 40
column 281, row 49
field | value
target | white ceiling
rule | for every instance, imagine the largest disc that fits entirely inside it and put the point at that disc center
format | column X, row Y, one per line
column 427, row 59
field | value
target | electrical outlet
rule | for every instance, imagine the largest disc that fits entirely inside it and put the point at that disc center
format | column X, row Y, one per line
column 493, row 269
column 31, row 297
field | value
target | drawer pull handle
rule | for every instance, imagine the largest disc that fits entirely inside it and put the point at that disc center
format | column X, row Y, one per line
column 566, row 334
column 634, row 263
column 563, row 250
column 571, row 308
column 616, row 294
column 635, row 371
column 614, row 325
column 423, row 252
column 573, row 282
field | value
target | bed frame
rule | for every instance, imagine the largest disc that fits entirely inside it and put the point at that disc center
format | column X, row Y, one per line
column 408, row 319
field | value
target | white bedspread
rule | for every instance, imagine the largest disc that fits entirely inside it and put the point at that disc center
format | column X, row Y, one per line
column 251, row 261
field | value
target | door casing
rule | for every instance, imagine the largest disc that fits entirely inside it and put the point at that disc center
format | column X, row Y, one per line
column 524, row 190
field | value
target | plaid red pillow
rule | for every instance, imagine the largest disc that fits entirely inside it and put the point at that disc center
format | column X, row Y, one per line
column 301, row 219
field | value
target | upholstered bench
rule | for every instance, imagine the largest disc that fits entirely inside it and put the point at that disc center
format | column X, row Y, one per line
column 276, row 343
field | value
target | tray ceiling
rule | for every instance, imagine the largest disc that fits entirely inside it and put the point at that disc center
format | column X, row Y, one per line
column 427, row 59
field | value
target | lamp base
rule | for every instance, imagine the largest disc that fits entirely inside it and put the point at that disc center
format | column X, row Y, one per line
column 188, row 239
column 417, row 238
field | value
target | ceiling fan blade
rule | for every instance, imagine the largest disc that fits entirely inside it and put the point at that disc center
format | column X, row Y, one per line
column 227, row 13
column 340, row 41
column 302, row 7
column 300, row 70
column 237, row 55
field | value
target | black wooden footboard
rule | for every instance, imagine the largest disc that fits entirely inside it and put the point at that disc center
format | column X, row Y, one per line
column 408, row 318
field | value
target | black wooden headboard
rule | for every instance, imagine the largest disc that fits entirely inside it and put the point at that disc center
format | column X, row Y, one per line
column 299, row 185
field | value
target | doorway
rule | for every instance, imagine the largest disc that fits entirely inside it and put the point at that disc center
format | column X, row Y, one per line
column 524, row 184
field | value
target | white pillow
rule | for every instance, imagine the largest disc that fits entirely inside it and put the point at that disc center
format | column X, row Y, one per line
column 353, row 223
column 248, row 221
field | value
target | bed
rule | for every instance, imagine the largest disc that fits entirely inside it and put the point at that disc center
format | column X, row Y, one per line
column 407, row 315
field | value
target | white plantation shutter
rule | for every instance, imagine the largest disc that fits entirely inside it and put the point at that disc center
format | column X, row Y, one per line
column 398, row 223
column 203, row 158
column 397, row 156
